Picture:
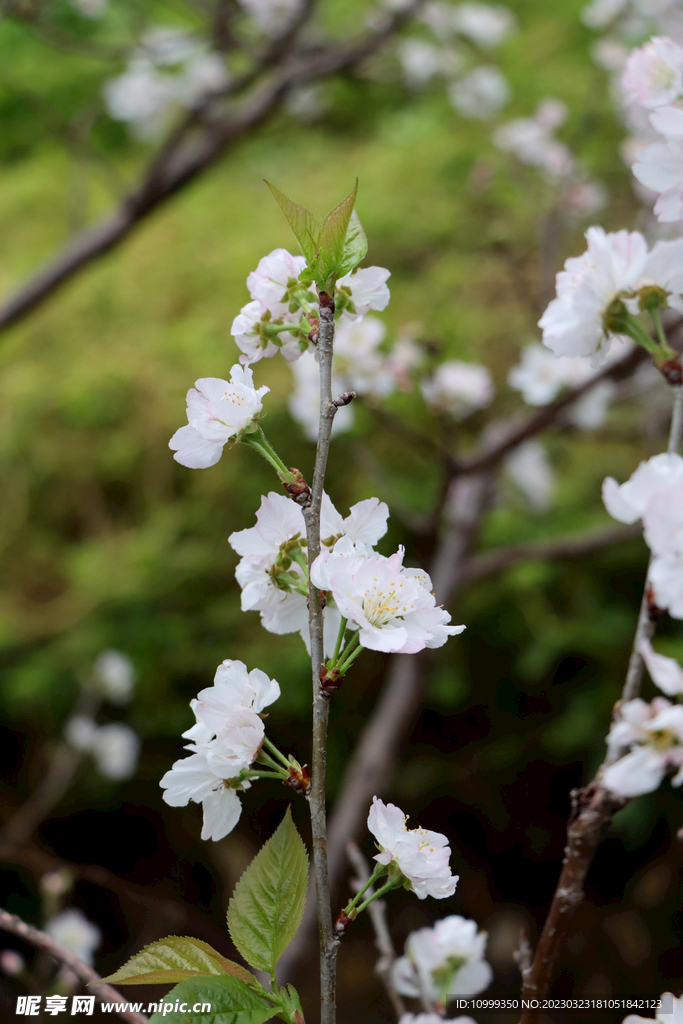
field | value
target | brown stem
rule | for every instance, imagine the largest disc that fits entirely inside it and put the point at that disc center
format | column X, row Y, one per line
column 593, row 808
column 321, row 701
column 105, row 993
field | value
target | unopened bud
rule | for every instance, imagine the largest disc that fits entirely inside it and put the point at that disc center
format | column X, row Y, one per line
column 299, row 779
column 653, row 610
column 344, row 399
column 326, row 301
column 344, row 922
column 298, row 489
column 672, row 371
column 329, row 681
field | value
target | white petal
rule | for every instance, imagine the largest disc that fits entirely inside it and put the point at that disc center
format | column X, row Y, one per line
column 222, row 811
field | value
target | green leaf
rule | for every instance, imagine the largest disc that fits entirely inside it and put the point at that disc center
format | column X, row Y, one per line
column 333, row 238
column 301, row 221
column 355, row 246
column 175, row 958
column 231, row 1002
column 268, row 903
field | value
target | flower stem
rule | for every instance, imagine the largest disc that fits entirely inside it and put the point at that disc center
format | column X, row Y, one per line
column 260, row 443
column 274, row 750
column 350, row 654
column 379, row 870
column 393, row 883
column 337, row 646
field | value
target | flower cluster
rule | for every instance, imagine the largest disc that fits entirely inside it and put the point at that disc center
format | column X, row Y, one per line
column 443, row 962
column 392, row 607
column 225, row 742
column 670, row 1012
column 281, row 314
column 654, row 494
column 653, row 733
column 217, row 411
column 273, row 572
column 417, row 857
column 168, row 69
column 75, row 932
column 598, row 292
column 458, row 388
column 272, row 16
column 115, row 747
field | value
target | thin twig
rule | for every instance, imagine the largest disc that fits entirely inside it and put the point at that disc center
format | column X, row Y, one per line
column 377, row 915
column 329, row 943
column 105, row 993
column 195, row 146
column 572, row 546
column 593, row 808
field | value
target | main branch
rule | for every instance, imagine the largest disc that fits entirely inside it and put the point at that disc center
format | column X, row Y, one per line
column 105, row 993
column 321, row 703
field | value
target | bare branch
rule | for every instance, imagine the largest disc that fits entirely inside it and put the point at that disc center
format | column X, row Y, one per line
column 192, row 148
column 377, row 914
column 572, row 546
column 105, row 993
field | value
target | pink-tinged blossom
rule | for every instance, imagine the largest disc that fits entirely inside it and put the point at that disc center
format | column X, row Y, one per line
column 419, row 855
column 670, row 1011
column 532, row 142
column 654, row 74
column 654, row 732
column 458, row 388
column 629, row 502
column 393, row 607
column 666, row 673
column 369, row 290
column 613, row 267
column 269, row 283
column 217, row 411
column 12, row 963
column 246, row 330
column 443, row 962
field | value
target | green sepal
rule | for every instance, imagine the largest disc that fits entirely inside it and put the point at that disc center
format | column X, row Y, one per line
column 266, row 908
column 174, row 959
column 290, row 1005
column 231, row 1002
column 302, row 222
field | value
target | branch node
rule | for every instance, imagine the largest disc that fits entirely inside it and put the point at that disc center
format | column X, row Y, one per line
column 299, row 491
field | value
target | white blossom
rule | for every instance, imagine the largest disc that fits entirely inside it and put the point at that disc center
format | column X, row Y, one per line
column 116, row 750
column 217, row 410
column 458, row 388
column 584, row 198
column 368, row 288
column 486, row 25
column 140, row 96
column 90, row 8
column 421, row 61
column 270, row 572
column 419, row 855
column 666, row 673
column 614, row 266
column 268, row 284
column 629, row 502
column 81, row 733
column 663, row 530
column 393, row 607
column 224, row 742
column 481, row 93
column 654, row 732
column 73, row 930
column 590, row 411
column 540, row 376
column 669, row 1012
column 660, row 166
column 272, row 16
column 304, row 401
column 443, row 962
column 653, row 76
column 532, row 472
column 115, row 675
column 600, row 12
